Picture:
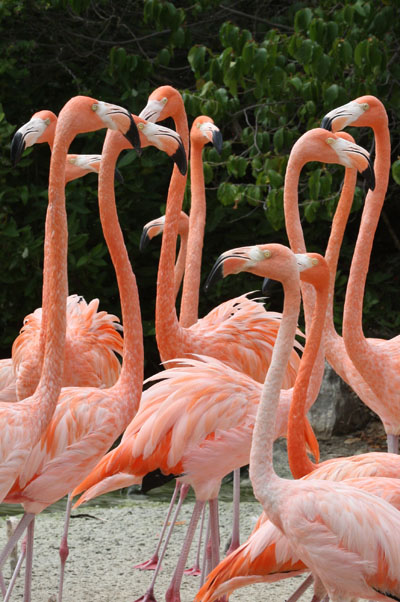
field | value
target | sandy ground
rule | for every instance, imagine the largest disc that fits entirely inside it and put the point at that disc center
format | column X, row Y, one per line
column 105, row 543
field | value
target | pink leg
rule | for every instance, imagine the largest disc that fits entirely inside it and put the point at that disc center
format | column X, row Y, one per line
column 64, row 550
column 150, row 565
column 205, row 569
column 149, row 595
column 195, row 570
column 300, row 590
column 214, row 532
column 16, row 571
column 22, row 525
column 28, row 564
column 173, row 594
column 235, row 539
column 393, row 444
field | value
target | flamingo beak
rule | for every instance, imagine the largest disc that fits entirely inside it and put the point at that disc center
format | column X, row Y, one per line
column 369, row 175
column 144, row 239
column 179, row 158
column 132, row 135
column 217, row 141
column 17, row 147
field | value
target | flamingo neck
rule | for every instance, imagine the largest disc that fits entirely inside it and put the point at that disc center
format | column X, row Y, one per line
column 169, row 333
column 352, row 317
column 55, row 281
column 131, row 376
column 191, row 282
column 293, row 223
column 180, row 263
column 266, row 483
column 299, row 462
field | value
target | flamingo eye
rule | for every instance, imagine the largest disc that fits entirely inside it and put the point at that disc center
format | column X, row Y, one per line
column 330, row 140
column 95, row 107
column 365, row 106
column 47, row 121
column 164, row 100
column 140, row 126
column 267, row 254
column 314, row 261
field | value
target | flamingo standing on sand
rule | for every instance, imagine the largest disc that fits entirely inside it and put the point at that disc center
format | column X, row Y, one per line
column 358, row 542
column 80, row 114
column 376, row 360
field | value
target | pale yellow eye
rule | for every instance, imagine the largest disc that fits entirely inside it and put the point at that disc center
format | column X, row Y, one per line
column 164, row 100
column 365, row 106
column 330, row 140
column 198, row 125
column 314, row 261
column 267, row 254
column 47, row 121
column 140, row 126
column 95, row 107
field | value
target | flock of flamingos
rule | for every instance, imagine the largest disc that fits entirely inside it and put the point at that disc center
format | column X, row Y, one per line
column 233, row 382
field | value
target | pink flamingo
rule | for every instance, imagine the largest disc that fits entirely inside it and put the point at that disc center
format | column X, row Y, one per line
column 376, row 360
column 39, row 481
column 310, row 512
column 154, row 228
column 244, row 323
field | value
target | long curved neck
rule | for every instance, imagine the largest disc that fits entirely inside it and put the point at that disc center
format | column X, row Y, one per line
column 299, row 462
column 352, row 318
column 180, row 263
column 168, row 331
column 191, row 282
column 56, row 282
column 262, row 473
column 293, row 224
column 131, row 376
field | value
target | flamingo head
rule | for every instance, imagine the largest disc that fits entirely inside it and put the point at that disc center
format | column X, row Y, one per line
column 162, row 103
column 273, row 261
column 80, row 165
column 361, row 112
column 40, row 128
column 204, row 130
column 320, row 145
column 165, row 139
column 156, row 227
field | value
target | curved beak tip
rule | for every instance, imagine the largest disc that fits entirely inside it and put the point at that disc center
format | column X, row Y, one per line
column 369, row 176
column 217, row 141
column 215, row 275
column 144, row 240
column 133, row 136
column 326, row 123
column 17, row 148
column 179, row 157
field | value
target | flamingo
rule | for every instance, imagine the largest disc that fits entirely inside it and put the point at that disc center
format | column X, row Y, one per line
column 376, row 360
column 37, row 482
column 91, row 337
column 358, row 541
column 236, row 331
column 154, row 228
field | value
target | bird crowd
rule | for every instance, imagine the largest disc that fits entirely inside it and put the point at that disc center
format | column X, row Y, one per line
column 233, row 381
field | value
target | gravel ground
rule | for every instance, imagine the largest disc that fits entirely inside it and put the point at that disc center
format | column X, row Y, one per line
column 105, row 542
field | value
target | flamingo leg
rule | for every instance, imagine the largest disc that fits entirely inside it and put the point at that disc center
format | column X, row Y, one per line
column 393, row 444
column 149, row 595
column 301, row 589
column 28, row 564
column 214, row 532
column 195, row 570
column 173, row 594
column 151, row 564
column 64, row 550
column 20, row 528
column 16, row 571
column 206, row 557
column 235, row 538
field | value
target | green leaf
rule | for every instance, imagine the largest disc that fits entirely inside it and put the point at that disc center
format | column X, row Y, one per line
column 279, row 139
column 396, row 171
column 310, row 210
column 331, row 94
column 275, row 178
column 314, row 184
column 196, row 58
column 304, row 53
column 361, row 54
column 302, row 19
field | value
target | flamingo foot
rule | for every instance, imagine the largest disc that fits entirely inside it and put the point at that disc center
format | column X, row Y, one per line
column 195, row 571
column 147, row 597
column 148, row 565
column 172, row 595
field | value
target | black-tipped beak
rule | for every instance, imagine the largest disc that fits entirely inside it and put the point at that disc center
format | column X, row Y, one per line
column 215, row 274
column 179, row 157
column 217, row 141
column 17, row 148
column 369, row 175
column 326, row 123
column 118, row 176
column 133, row 136
column 144, row 239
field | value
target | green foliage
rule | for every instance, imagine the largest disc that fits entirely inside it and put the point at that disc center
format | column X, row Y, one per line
column 265, row 75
